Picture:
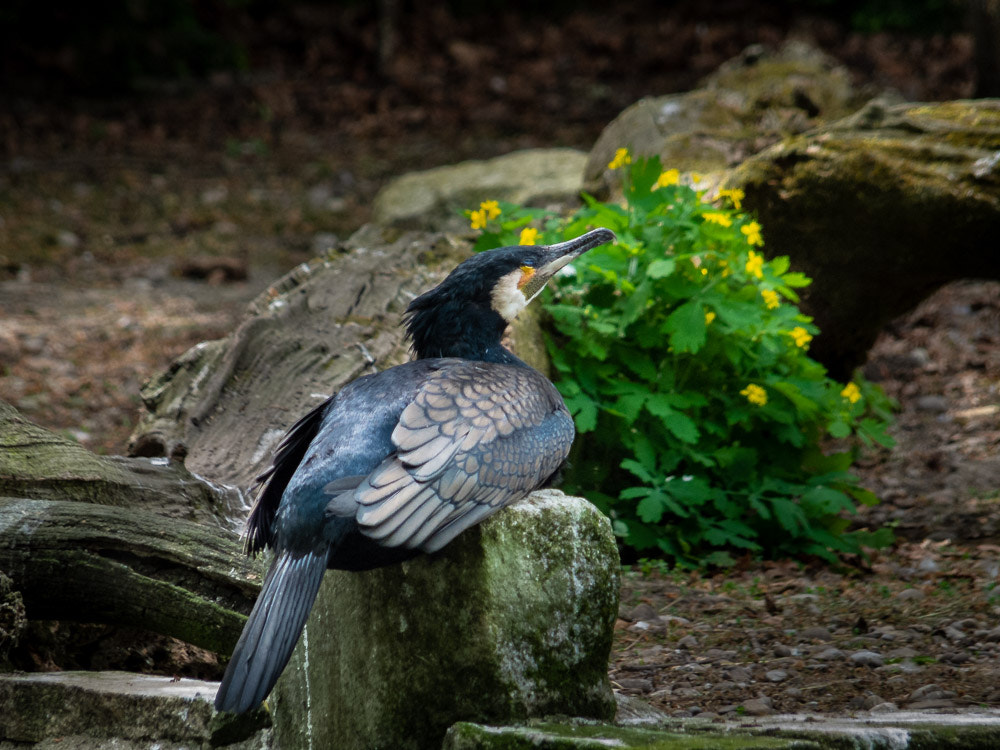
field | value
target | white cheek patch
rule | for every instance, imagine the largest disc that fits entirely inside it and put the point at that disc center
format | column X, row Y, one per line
column 507, row 299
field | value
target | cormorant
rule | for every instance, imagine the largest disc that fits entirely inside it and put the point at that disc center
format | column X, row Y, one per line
column 402, row 461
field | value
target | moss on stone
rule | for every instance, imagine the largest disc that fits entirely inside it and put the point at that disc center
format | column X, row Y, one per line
column 465, row 736
column 512, row 620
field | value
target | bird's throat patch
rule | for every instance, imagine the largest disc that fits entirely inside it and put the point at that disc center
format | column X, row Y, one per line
column 507, row 298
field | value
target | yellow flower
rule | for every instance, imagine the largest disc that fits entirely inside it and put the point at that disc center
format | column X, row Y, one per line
column 709, row 317
column 478, row 218
column 735, row 195
column 770, row 298
column 666, row 179
column 851, row 393
column 752, row 232
column 492, row 209
column 621, row 159
column 528, row 236
column 801, row 336
column 755, row 394
column 696, row 177
column 755, row 265
column 715, row 217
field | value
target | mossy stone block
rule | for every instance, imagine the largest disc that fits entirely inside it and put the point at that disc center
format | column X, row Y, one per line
column 513, row 620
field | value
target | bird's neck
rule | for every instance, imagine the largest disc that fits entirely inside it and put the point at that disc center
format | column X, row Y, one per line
column 440, row 332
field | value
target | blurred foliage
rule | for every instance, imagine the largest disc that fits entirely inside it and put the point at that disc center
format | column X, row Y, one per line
column 917, row 16
column 108, row 46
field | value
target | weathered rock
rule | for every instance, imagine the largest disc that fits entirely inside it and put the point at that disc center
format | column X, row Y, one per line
column 512, row 620
column 883, row 727
column 39, row 464
column 433, row 199
column 749, row 103
column 880, row 209
column 225, row 404
column 98, row 710
column 128, row 567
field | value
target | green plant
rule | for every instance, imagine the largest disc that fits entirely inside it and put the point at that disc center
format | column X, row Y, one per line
column 683, row 357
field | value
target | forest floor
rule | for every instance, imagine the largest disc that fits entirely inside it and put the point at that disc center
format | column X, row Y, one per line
column 131, row 229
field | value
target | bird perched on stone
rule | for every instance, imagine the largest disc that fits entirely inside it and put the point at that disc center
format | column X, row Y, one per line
column 402, row 461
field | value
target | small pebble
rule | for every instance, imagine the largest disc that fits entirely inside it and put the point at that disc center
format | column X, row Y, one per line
column 635, row 683
column 830, row 654
column 910, row 595
column 776, row 675
column 688, row 642
column 738, row 674
column 758, row 707
column 932, row 403
column 867, row 659
column 816, row 633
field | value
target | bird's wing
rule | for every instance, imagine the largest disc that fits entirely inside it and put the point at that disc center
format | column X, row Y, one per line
column 271, row 484
column 475, row 438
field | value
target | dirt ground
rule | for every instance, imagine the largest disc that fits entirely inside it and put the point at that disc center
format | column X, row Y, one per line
column 132, row 229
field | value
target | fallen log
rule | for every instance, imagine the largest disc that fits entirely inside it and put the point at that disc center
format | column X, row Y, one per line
column 127, row 567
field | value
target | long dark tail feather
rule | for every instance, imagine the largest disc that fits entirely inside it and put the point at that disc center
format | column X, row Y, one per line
column 272, row 630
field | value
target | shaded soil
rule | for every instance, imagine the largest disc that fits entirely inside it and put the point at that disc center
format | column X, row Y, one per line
column 132, row 229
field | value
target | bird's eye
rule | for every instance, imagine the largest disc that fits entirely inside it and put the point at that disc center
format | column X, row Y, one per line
column 526, row 273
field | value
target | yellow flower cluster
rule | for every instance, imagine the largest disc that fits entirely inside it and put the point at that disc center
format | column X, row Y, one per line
column 716, row 217
column 801, row 336
column 622, row 158
column 487, row 210
column 752, row 233
column 770, row 298
column 851, row 393
column 735, row 195
column 666, row 179
column 755, row 264
column 528, row 236
column 755, row 394
column 709, row 317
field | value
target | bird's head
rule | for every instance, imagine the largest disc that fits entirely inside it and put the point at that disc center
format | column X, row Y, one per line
column 465, row 315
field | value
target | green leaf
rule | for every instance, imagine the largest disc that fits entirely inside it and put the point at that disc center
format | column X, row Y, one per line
column 629, row 406
column 661, row 267
column 679, row 424
column 839, row 429
column 789, row 514
column 796, row 279
column 638, row 469
column 584, row 412
column 686, row 326
column 650, row 509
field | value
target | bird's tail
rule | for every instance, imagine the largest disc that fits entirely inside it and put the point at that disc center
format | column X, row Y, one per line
column 272, row 630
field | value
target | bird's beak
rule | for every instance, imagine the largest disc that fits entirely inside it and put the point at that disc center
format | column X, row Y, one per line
column 558, row 256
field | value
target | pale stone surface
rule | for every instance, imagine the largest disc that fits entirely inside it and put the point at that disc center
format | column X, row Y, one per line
column 94, row 710
column 891, row 729
column 512, row 620
column 429, row 199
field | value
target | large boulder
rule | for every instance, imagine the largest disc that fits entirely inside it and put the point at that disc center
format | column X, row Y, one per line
column 224, row 405
column 749, row 103
column 435, row 198
column 880, row 209
column 513, row 620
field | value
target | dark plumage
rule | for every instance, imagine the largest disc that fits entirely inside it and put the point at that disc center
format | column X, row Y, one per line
column 401, row 462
